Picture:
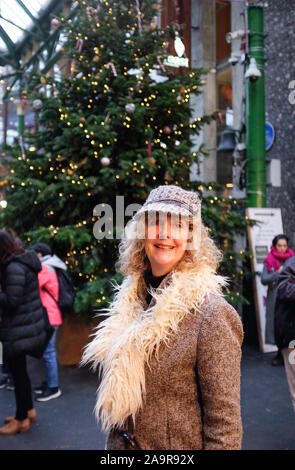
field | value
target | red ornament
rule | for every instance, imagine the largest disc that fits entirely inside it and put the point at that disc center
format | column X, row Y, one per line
column 168, row 177
column 149, row 149
column 54, row 23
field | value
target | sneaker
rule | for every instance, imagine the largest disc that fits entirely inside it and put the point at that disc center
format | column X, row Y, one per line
column 49, row 394
column 39, row 390
column 3, row 381
column 9, row 384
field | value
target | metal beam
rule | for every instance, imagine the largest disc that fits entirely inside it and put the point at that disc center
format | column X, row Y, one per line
column 48, row 43
column 10, row 45
column 35, row 21
column 19, row 27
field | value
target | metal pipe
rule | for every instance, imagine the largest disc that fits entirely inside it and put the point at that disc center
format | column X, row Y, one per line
column 255, row 114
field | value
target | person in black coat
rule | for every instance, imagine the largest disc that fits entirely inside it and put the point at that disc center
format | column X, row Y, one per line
column 22, row 326
column 285, row 321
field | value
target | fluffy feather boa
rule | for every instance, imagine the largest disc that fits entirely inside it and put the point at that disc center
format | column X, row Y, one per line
column 127, row 339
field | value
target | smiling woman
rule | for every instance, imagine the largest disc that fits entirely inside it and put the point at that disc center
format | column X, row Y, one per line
column 170, row 350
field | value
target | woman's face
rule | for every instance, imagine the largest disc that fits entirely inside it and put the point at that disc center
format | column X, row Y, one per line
column 282, row 245
column 165, row 241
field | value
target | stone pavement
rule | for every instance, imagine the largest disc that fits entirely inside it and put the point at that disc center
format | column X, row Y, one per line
column 68, row 422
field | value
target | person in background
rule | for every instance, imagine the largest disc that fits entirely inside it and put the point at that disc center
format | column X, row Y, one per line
column 273, row 265
column 284, row 322
column 49, row 293
column 23, row 328
column 6, row 380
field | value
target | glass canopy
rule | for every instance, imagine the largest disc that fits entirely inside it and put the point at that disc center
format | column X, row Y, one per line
column 17, row 18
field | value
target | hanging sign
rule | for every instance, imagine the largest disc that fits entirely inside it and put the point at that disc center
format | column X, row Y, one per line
column 179, row 60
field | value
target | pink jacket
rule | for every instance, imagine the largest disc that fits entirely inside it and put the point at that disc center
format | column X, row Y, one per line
column 49, row 280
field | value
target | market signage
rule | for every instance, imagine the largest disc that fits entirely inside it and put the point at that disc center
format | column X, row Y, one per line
column 268, row 225
column 179, row 60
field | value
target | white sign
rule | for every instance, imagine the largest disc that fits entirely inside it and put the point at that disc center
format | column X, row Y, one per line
column 179, row 60
column 269, row 224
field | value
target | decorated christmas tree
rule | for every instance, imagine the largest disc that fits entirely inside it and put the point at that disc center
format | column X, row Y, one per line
column 116, row 122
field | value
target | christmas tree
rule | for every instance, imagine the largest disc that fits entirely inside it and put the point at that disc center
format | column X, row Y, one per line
column 119, row 123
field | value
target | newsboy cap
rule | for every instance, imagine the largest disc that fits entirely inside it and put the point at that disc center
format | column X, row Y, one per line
column 172, row 199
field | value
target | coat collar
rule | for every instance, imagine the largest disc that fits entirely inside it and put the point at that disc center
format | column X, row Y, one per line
column 141, row 290
column 134, row 331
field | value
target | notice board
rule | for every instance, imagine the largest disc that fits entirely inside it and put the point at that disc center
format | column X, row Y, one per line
column 268, row 225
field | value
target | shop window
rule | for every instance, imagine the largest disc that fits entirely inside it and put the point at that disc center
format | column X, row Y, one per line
column 225, row 137
column 223, row 26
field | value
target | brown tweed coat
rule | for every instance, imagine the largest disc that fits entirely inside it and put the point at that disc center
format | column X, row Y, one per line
column 191, row 391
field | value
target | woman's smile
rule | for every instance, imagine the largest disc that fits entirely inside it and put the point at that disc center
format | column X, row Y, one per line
column 164, row 247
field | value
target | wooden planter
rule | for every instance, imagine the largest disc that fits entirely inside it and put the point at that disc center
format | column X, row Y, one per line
column 72, row 336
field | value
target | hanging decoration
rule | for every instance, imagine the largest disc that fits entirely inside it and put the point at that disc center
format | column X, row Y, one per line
column 167, row 176
column 130, row 108
column 79, row 45
column 105, row 161
column 110, row 64
column 159, row 57
column 21, row 143
column 24, row 102
column 37, row 104
column 149, row 149
column 138, row 16
column 73, row 67
column 54, row 23
column 219, row 115
column 90, row 12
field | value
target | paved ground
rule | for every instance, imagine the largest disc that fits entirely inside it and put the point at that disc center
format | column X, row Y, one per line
column 68, row 422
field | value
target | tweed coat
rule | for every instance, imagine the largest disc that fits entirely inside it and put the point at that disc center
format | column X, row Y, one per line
column 191, row 387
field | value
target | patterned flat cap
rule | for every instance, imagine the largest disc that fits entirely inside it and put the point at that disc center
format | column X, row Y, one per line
column 173, row 199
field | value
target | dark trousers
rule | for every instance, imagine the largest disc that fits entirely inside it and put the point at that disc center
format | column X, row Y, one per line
column 22, row 386
column 5, row 368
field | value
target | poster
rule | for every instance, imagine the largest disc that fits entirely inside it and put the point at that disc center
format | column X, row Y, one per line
column 269, row 224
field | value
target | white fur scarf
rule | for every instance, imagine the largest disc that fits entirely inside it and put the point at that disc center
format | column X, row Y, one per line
column 126, row 340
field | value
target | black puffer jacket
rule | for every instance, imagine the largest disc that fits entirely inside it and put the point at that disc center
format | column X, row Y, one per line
column 285, row 306
column 22, row 326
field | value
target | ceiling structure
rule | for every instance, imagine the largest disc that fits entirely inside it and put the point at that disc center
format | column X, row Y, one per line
column 18, row 17
column 26, row 36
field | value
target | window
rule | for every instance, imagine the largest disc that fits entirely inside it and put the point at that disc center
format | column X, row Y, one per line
column 224, row 91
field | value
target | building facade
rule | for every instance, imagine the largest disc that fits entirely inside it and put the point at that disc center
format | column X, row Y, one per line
column 279, row 24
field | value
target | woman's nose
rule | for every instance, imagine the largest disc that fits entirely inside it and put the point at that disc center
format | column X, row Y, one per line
column 164, row 231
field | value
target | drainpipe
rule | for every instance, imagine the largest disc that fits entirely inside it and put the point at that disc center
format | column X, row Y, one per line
column 255, row 111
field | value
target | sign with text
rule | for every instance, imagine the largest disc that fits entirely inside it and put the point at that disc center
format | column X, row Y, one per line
column 268, row 225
